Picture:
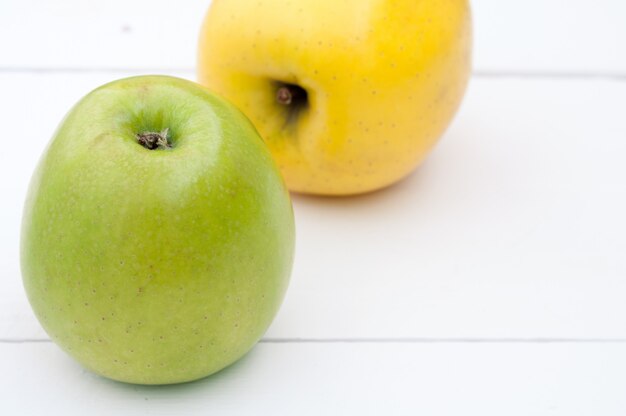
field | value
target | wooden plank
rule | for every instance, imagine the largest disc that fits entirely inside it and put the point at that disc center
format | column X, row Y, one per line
column 555, row 36
column 513, row 228
column 111, row 34
column 529, row 36
column 349, row 379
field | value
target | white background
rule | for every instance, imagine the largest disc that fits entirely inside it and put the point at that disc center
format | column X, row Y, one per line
column 490, row 282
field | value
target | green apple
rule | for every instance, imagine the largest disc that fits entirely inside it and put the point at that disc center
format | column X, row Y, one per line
column 158, row 236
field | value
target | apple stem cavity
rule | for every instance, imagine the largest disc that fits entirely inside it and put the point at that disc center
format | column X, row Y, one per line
column 153, row 140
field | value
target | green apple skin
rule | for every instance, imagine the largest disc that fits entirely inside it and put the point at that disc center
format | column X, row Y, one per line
column 156, row 266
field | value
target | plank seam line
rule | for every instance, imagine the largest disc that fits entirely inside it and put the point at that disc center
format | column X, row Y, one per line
column 390, row 340
column 610, row 76
column 580, row 75
column 441, row 340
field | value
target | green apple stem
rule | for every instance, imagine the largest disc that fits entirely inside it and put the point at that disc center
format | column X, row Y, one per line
column 152, row 140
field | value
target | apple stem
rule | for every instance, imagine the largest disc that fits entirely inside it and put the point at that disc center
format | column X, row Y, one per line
column 286, row 94
column 152, row 140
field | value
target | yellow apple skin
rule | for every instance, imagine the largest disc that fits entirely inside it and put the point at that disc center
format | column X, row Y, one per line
column 383, row 80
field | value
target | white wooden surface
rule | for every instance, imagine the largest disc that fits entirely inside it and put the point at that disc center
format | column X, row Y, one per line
column 492, row 281
column 340, row 379
column 530, row 36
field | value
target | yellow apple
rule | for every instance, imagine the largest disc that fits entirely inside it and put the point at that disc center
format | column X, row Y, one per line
column 351, row 95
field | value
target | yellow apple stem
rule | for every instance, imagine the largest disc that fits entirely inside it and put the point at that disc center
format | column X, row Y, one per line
column 284, row 96
column 153, row 140
column 289, row 94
